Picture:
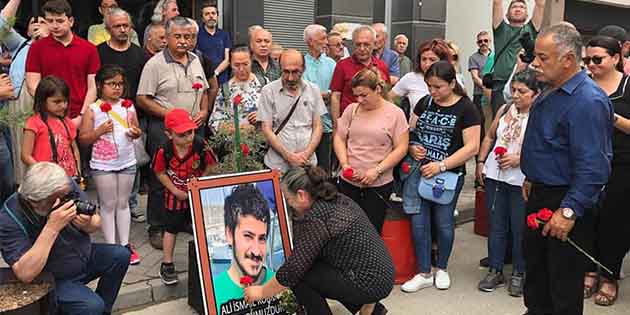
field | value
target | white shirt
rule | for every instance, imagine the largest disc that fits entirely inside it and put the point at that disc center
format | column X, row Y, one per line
column 412, row 85
column 112, row 151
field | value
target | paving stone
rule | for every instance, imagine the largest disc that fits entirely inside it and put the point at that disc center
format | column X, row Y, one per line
column 134, row 295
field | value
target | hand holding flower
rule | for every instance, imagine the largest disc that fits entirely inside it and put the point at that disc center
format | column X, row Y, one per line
column 251, row 118
column 508, row 160
column 369, row 176
column 134, row 132
column 106, row 127
column 558, row 226
column 200, row 117
column 417, row 152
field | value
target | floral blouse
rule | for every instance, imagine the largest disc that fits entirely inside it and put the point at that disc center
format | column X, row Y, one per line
column 222, row 111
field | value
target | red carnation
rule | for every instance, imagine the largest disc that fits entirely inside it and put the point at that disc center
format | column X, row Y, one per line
column 197, row 86
column 126, row 103
column 246, row 280
column 544, row 214
column 499, row 151
column 532, row 221
column 237, row 100
column 106, row 107
column 245, row 149
column 406, row 168
column 348, row 173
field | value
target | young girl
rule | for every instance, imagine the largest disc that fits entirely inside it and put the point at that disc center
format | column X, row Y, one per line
column 110, row 124
column 49, row 135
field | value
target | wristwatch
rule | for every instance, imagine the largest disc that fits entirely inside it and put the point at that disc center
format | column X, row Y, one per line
column 442, row 167
column 568, row 214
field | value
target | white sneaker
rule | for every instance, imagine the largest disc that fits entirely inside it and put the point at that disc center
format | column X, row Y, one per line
column 395, row 198
column 442, row 280
column 416, row 283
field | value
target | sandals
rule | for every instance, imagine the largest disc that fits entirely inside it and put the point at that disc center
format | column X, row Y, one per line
column 605, row 299
column 590, row 290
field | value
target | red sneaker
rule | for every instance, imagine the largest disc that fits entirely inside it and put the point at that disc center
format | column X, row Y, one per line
column 135, row 258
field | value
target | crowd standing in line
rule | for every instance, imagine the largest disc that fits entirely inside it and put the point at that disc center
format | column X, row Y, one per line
column 557, row 137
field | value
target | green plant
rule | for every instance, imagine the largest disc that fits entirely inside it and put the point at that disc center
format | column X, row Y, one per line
column 288, row 301
column 251, row 145
column 13, row 119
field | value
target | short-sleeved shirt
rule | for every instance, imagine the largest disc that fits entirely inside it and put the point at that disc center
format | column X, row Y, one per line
column 72, row 63
column 170, row 83
column 345, row 70
column 132, row 60
column 370, row 137
column 320, row 72
column 69, row 254
column 213, row 47
column 413, row 86
column 97, row 34
column 272, row 73
column 222, row 110
column 391, row 59
column 502, row 34
column 405, row 65
column 439, row 129
column 64, row 138
column 275, row 104
column 179, row 170
column 229, row 295
column 477, row 61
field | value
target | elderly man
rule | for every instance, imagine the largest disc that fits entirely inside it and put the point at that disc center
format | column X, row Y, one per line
column 45, row 228
column 401, row 42
column 167, row 82
column 98, row 33
column 389, row 57
column 156, row 40
column 263, row 66
column 567, row 150
column 363, row 38
column 506, row 40
column 335, row 46
column 290, row 111
column 319, row 70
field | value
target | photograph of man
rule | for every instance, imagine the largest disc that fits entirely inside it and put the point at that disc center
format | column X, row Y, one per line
column 247, row 221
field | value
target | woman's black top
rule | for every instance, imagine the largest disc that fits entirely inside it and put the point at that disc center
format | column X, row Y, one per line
column 339, row 234
column 621, row 141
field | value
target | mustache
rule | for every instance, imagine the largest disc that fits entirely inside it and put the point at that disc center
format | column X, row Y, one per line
column 254, row 257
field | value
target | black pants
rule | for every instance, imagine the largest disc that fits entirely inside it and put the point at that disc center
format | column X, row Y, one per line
column 324, row 152
column 373, row 200
column 155, row 201
column 323, row 282
column 613, row 223
column 555, row 270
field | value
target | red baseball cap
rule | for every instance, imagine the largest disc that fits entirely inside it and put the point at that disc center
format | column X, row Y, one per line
column 179, row 121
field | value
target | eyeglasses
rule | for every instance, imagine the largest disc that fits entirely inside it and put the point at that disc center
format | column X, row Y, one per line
column 596, row 60
column 485, row 41
column 115, row 85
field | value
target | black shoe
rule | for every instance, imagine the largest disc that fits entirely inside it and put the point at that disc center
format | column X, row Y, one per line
column 493, row 280
column 517, row 282
column 168, row 274
column 379, row 309
column 484, row 262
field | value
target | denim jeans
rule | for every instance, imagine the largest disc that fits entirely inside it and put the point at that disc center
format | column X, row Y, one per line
column 133, row 197
column 107, row 261
column 421, row 230
column 507, row 212
column 7, row 184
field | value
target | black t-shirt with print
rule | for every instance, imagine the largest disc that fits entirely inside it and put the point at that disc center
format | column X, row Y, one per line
column 439, row 129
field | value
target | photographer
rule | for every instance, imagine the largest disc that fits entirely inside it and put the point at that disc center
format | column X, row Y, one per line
column 46, row 227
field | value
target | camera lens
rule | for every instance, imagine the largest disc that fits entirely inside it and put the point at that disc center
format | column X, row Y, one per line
column 84, row 207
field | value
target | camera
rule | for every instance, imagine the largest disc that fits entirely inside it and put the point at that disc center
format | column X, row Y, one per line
column 528, row 45
column 83, row 207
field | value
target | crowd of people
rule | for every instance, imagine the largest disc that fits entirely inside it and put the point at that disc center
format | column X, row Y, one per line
column 546, row 122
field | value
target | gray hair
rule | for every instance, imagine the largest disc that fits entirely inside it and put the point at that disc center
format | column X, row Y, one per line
column 313, row 29
column 178, row 21
column 566, row 38
column 361, row 29
column 117, row 12
column 194, row 24
column 42, row 180
column 381, row 26
column 399, row 36
column 159, row 10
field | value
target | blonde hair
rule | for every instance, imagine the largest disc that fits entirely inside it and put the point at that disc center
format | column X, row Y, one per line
column 371, row 78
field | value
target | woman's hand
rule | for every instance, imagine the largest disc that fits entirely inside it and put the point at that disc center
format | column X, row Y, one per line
column 479, row 174
column 253, row 294
column 251, row 118
column 430, row 170
column 509, row 161
column 134, row 132
column 369, row 177
column 417, row 152
column 105, row 127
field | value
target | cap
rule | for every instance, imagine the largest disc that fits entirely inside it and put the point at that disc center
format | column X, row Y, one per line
column 179, row 121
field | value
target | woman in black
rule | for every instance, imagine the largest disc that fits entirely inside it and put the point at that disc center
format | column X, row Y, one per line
column 604, row 61
column 337, row 253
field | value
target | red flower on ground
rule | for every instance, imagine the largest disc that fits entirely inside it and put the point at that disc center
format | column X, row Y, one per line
column 237, row 99
column 197, row 86
column 105, row 107
column 500, row 151
column 406, row 168
column 245, row 149
column 246, row 280
column 544, row 214
column 348, row 173
column 532, row 221
column 126, row 103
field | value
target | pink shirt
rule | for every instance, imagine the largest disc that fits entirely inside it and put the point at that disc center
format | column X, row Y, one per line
column 370, row 137
column 42, row 152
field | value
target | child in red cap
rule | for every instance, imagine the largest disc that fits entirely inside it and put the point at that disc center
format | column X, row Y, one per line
column 184, row 156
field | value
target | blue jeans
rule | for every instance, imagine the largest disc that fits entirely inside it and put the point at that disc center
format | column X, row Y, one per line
column 7, row 184
column 107, row 261
column 421, row 230
column 133, row 197
column 507, row 212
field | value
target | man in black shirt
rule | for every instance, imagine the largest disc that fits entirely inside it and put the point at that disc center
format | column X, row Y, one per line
column 119, row 50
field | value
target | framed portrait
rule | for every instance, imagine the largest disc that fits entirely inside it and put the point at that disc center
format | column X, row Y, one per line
column 242, row 237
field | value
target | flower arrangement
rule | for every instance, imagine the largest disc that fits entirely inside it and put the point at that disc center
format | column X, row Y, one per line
column 288, row 301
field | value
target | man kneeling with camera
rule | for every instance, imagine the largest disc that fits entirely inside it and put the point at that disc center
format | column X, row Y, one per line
column 46, row 226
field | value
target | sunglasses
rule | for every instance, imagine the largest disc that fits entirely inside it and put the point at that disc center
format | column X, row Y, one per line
column 484, row 41
column 596, row 60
